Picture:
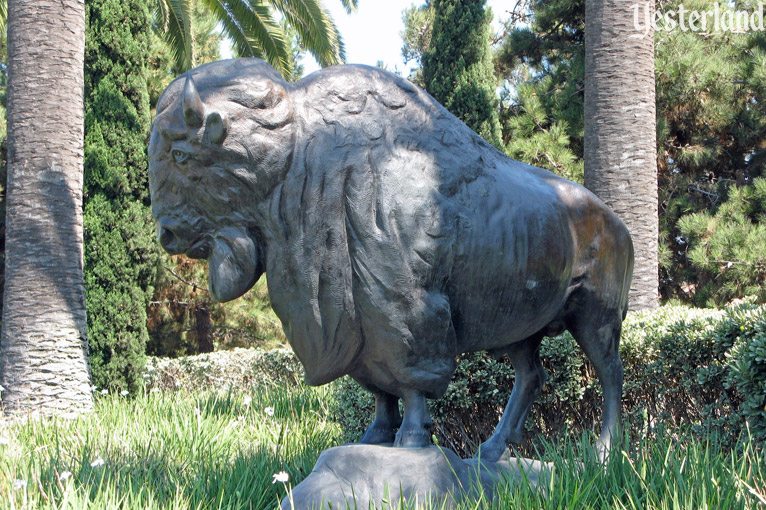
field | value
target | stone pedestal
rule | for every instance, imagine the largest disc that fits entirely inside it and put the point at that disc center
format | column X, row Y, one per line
column 353, row 476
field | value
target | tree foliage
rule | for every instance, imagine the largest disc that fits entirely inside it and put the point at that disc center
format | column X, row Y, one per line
column 120, row 249
column 183, row 319
column 727, row 248
column 710, row 131
column 416, row 37
column 711, row 91
column 541, row 58
column 205, row 42
column 457, row 67
column 254, row 29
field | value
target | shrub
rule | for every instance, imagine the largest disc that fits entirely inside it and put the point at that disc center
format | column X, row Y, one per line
column 698, row 368
column 235, row 369
column 747, row 368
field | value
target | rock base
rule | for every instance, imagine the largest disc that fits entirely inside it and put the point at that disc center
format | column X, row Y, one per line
column 354, row 476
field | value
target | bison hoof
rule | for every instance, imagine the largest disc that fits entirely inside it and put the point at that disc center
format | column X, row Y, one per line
column 492, row 451
column 412, row 439
column 376, row 434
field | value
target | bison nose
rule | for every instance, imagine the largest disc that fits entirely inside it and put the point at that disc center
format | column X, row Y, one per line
column 170, row 239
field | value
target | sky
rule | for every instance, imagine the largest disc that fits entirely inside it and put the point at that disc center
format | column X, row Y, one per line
column 372, row 32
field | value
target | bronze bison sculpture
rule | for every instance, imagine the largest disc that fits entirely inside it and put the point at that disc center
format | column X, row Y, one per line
column 394, row 238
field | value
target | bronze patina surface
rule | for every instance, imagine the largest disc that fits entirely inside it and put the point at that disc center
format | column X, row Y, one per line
column 393, row 237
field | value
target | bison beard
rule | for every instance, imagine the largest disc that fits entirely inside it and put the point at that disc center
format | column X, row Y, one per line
column 234, row 264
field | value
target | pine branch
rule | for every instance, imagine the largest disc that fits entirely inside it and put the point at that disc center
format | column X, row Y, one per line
column 730, row 263
column 190, row 284
column 169, row 302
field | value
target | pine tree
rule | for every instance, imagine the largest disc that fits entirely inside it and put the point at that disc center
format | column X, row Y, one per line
column 727, row 249
column 120, row 250
column 541, row 58
column 457, row 68
column 711, row 108
column 711, row 96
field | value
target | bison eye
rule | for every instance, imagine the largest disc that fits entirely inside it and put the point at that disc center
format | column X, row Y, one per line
column 179, row 156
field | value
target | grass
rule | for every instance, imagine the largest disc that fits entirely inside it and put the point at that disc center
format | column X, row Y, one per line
column 208, row 450
column 174, row 450
column 665, row 473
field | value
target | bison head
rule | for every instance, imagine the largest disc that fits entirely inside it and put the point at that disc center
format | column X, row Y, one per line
column 219, row 145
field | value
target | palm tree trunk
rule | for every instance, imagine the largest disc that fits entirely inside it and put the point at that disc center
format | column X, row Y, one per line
column 620, row 132
column 43, row 346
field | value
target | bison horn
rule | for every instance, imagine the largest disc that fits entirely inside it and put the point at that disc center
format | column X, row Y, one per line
column 194, row 110
column 216, row 127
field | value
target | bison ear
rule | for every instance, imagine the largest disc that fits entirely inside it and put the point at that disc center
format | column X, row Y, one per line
column 194, row 110
column 216, row 127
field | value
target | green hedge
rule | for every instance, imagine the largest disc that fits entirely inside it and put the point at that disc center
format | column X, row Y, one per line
column 698, row 368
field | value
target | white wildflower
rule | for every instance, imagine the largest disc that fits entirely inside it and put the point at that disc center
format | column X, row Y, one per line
column 281, row 477
column 98, row 462
column 4, row 441
column 178, row 384
column 247, row 401
column 269, row 411
column 105, row 392
column 19, row 484
column 93, row 388
column 124, row 393
column 154, row 390
column 65, row 475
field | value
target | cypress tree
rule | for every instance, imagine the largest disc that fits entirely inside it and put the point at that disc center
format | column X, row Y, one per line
column 120, row 252
column 457, row 68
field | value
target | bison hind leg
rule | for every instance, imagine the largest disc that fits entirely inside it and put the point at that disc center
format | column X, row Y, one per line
column 596, row 328
column 530, row 377
column 387, row 420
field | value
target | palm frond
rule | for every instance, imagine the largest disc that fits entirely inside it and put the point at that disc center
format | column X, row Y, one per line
column 3, row 14
column 316, row 29
column 350, row 5
column 251, row 27
column 172, row 21
column 230, row 26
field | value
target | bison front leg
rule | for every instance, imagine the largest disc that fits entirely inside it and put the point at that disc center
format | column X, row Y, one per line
column 415, row 431
column 387, row 420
